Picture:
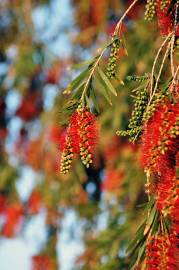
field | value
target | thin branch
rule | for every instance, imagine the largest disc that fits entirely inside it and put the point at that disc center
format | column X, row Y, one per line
column 156, row 58
column 117, row 29
column 171, row 55
column 173, row 84
column 161, row 67
column 91, row 74
column 159, row 74
column 116, row 32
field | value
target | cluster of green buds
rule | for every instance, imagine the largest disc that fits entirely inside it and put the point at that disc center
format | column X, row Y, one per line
column 138, row 79
column 134, row 127
column 112, row 61
column 150, row 110
column 150, row 10
column 66, row 157
column 132, row 133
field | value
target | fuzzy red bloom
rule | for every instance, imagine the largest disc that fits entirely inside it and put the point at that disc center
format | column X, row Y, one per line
column 158, row 136
column 160, row 253
column 160, row 143
column 88, row 134
column 80, row 137
column 165, row 20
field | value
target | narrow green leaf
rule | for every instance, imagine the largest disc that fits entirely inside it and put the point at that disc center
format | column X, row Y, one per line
column 133, row 259
column 155, row 224
column 151, row 216
column 101, row 87
column 78, row 80
column 107, row 82
column 78, row 92
column 141, row 253
column 139, row 236
column 82, row 64
column 87, row 101
column 93, row 97
column 150, row 204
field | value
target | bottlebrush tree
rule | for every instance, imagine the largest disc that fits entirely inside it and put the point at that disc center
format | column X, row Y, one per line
column 108, row 146
column 154, row 125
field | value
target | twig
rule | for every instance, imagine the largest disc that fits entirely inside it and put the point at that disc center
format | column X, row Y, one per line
column 161, row 67
column 159, row 74
column 171, row 55
column 116, row 31
column 156, row 58
column 174, row 78
column 175, row 75
column 91, row 74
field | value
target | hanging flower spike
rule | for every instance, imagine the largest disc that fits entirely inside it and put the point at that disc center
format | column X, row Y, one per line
column 80, row 137
column 69, row 144
column 158, row 135
column 160, row 143
column 87, row 133
column 67, row 155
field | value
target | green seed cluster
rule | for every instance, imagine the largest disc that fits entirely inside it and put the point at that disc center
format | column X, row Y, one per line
column 112, row 61
column 66, row 158
column 150, row 10
column 132, row 133
column 86, row 157
column 134, row 127
column 149, row 112
column 138, row 79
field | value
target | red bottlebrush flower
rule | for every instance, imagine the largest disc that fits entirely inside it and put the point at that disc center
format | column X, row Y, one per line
column 112, row 180
column 158, row 135
column 160, row 253
column 67, row 155
column 160, row 142
column 69, row 144
column 13, row 218
column 165, row 20
column 88, row 134
column 80, row 137
column 34, row 203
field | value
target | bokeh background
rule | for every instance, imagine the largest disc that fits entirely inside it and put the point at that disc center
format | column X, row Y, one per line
column 83, row 220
